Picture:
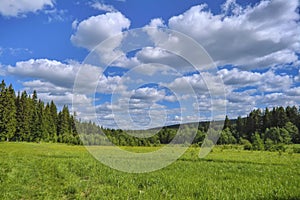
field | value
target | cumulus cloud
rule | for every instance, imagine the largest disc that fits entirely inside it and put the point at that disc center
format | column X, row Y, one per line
column 280, row 98
column 239, row 78
column 264, row 35
column 54, row 78
column 199, row 84
column 90, row 32
column 273, row 83
column 259, row 36
column 139, row 108
column 245, row 90
column 151, row 94
column 10, row 8
column 161, row 56
column 231, row 7
column 265, row 82
column 53, row 71
column 44, row 87
column 111, row 84
column 294, row 92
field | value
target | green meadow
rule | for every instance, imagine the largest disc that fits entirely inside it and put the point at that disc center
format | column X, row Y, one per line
column 58, row 171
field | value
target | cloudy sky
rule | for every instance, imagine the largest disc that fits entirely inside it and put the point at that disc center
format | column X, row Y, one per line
column 140, row 64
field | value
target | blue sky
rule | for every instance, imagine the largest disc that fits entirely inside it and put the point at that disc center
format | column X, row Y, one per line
column 254, row 46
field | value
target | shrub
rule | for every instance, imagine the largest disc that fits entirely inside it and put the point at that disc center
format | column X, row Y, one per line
column 269, row 144
column 296, row 149
column 247, row 145
column 258, row 143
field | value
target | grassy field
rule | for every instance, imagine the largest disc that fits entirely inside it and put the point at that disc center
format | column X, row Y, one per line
column 54, row 171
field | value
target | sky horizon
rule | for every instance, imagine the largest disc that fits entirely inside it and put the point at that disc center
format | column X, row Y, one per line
column 246, row 56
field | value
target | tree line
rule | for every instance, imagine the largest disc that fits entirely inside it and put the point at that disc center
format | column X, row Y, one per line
column 24, row 117
column 264, row 129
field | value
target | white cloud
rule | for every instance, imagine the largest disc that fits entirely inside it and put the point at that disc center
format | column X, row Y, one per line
column 265, row 82
column 44, row 87
column 273, row 83
column 124, row 61
column 61, row 74
column 17, row 8
column 161, row 56
column 102, row 7
column 75, row 24
column 148, row 94
column 47, row 70
column 294, row 92
column 56, row 79
column 57, row 15
column 66, row 99
column 231, row 7
column 266, row 34
column 235, row 36
column 198, row 84
column 264, row 89
column 280, row 98
column 136, row 109
column 297, row 78
column 2, row 68
column 16, row 52
column 90, row 32
column 239, row 78
column 110, row 84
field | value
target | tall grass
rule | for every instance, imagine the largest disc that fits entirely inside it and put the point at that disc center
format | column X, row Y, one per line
column 55, row 171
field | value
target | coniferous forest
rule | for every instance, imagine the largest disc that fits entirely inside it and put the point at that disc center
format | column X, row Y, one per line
column 24, row 117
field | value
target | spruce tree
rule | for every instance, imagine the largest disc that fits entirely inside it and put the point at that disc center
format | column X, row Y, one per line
column 227, row 123
column 48, row 131
column 24, row 118
column 266, row 120
column 240, row 127
column 2, row 99
column 53, row 122
column 8, row 112
column 64, row 131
